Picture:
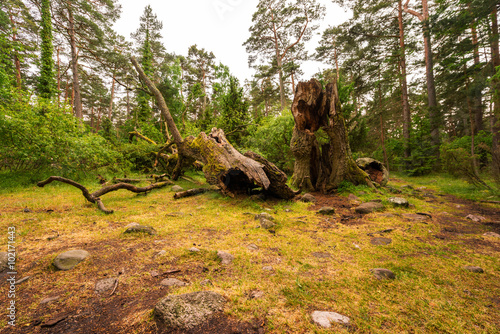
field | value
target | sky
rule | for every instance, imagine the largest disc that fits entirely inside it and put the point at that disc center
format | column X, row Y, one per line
column 219, row 26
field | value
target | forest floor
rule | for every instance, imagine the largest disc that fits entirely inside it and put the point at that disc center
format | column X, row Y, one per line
column 311, row 262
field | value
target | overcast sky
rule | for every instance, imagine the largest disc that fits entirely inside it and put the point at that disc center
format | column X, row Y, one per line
column 220, row 26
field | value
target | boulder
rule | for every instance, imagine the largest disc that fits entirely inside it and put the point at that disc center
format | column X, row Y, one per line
column 137, row 228
column 399, row 202
column 325, row 319
column 187, row 311
column 172, row 282
column 472, row 269
column 369, row 207
column 308, row 198
column 381, row 273
column 326, row 211
column 68, row 260
column 267, row 224
column 377, row 171
column 177, row 189
column 225, row 257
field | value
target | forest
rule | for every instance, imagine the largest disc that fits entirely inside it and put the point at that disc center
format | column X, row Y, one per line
column 255, row 174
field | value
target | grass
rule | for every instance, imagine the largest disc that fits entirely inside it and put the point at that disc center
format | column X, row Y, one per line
column 431, row 294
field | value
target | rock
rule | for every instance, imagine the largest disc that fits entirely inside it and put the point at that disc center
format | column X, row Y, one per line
column 399, row 202
column 476, row 219
column 264, row 215
column 26, row 210
column 377, row 171
column 161, row 253
column 308, row 198
column 369, row 207
column 321, row 255
column 325, row 319
column 415, row 217
column 4, row 261
column 267, row 268
column 256, row 294
column 267, row 224
column 104, row 285
column 206, row 282
column 187, row 311
column 172, row 282
column 380, row 241
column 136, row 228
column 68, row 260
column 492, row 234
column 177, row 188
column 49, row 300
column 387, row 215
column 194, row 250
column 326, row 211
column 473, row 269
column 253, row 247
column 353, row 197
column 225, row 257
column 381, row 273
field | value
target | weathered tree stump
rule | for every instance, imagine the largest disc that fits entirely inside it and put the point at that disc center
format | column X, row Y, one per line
column 321, row 168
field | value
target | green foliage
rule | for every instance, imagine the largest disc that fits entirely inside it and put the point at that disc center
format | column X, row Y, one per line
column 140, row 155
column 47, row 83
column 272, row 139
column 53, row 142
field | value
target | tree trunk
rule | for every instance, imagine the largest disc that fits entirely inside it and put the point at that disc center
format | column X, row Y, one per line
column 110, row 113
column 477, row 97
column 77, row 100
column 324, row 168
column 495, row 57
column 404, row 85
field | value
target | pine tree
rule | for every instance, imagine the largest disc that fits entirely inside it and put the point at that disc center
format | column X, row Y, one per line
column 47, row 84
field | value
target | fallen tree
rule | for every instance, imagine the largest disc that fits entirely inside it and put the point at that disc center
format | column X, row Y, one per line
column 95, row 197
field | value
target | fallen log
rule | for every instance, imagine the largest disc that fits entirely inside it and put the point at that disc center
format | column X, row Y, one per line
column 190, row 192
column 95, row 197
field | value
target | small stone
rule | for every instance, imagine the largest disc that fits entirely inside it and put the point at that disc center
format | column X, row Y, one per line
column 398, row 202
column 321, row 255
column 161, row 253
column 141, row 229
column 356, row 246
column 187, row 311
column 473, row 269
column 256, row 294
column 353, row 197
column 381, row 273
column 308, row 198
column 264, row 215
column 268, row 268
column 492, row 234
column 325, row 319
column 172, row 282
column 177, row 188
column 327, row 211
column 267, row 224
column 206, row 282
column 253, row 247
column 380, row 241
column 154, row 273
column 26, row 210
column 4, row 261
column 369, row 207
column 68, row 260
column 476, row 219
column 415, row 217
column 49, row 300
column 225, row 257
column 194, row 250
column 104, row 285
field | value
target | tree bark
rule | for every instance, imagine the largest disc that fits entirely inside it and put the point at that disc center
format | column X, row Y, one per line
column 477, row 97
column 325, row 168
column 495, row 57
column 404, row 86
column 77, row 99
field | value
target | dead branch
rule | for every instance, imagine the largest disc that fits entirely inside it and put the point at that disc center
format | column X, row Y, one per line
column 190, row 192
column 95, row 196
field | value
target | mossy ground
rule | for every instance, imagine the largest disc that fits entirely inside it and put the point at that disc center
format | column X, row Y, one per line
column 431, row 294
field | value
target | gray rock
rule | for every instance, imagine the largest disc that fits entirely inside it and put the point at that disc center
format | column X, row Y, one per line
column 267, row 268
column 308, row 198
column 256, row 294
column 267, row 224
column 177, row 188
column 4, row 261
column 68, row 260
column 380, row 241
column 194, row 250
column 322, row 255
column 377, row 171
column 104, row 285
column 161, row 253
column 381, row 273
column 473, row 269
column 325, row 319
column 353, row 197
column 225, row 257
column 136, row 228
column 476, row 219
column 206, row 282
column 253, row 247
column 415, row 217
column 264, row 215
column 369, row 207
column 492, row 234
column 327, row 211
column 172, row 282
column 399, row 202
column 49, row 300
column 187, row 311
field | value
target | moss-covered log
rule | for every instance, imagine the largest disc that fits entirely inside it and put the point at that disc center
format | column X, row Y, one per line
column 324, row 168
